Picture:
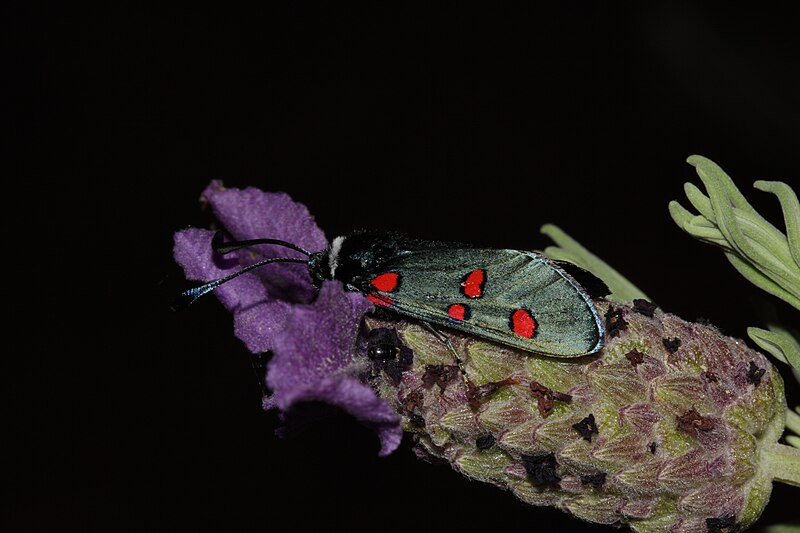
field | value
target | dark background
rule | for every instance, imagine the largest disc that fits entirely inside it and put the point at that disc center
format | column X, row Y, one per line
column 452, row 123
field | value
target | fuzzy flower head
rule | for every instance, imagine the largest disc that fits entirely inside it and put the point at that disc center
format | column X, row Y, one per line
column 313, row 334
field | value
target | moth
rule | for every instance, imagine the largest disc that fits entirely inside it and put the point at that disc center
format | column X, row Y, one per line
column 517, row 298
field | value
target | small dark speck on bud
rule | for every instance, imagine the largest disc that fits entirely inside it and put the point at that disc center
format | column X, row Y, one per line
column 542, row 468
column 412, row 401
column 691, row 422
column 615, row 323
column 546, row 397
column 587, row 427
column 477, row 393
column 635, row 357
column 672, row 344
column 726, row 524
column 485, row 442
column 754, row 374
column 416, row 420
column 439, row 375
column 644, row 307
column 595, row 480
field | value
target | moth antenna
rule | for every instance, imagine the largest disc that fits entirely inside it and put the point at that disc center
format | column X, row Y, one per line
column 186, row 298
column 227, row 247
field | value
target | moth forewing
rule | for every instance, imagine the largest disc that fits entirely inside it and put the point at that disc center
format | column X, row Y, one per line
column 517, row 298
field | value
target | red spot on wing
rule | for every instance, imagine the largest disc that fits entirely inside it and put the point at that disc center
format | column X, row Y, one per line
column 380, row 300
column 387, row 282
column 523, row 323
column 458, row 312
column 473, row 283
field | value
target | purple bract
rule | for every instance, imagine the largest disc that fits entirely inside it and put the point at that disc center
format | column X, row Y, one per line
column 313, row 334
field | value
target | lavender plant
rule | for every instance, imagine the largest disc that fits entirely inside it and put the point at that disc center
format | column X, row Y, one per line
column 673, row 426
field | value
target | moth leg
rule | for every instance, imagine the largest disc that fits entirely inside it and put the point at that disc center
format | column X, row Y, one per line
column 446, row 340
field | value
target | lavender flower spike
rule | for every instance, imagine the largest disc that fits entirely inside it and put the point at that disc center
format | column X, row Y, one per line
column 276, row 307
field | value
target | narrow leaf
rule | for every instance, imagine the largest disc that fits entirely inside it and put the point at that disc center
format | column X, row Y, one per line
column 780, row 344
column 791, row 212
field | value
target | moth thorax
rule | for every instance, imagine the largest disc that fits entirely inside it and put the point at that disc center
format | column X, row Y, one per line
column 333, row 256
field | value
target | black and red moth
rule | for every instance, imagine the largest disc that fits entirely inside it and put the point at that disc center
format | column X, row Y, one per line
column 517, row 298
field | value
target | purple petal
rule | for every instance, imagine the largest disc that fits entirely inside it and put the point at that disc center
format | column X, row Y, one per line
column 254, row 214
column 259, row 299
column 315, row 360
column 256, row 314
column 315, row 344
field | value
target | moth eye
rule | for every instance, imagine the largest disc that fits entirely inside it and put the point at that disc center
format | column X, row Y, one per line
column 383, row 352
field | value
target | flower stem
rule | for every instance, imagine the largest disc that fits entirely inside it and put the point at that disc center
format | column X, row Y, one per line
column 782, row 463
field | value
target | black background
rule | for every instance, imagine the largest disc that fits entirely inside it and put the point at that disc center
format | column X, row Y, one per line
column 462, row 124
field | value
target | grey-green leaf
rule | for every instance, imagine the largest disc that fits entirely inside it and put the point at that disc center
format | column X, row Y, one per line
column 780, row 344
